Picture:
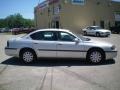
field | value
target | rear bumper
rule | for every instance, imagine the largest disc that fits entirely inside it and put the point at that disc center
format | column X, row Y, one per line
column 11, row 51
column 111, row 54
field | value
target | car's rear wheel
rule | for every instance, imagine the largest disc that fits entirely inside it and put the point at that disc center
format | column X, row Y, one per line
column 28, row 56
column 95, row 56
column 85, row 33
column 97, row 34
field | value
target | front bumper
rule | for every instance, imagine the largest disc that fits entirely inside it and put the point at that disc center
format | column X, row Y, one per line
column 11, row 51
column 111, row 54
column 105, row 34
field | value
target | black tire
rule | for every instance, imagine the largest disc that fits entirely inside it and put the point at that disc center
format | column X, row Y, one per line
column 28, row 56
column 85, row 33
column 97, row 34
column 95, row 59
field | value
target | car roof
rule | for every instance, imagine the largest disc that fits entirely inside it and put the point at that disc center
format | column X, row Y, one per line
column 51, row 29
column 94, row 26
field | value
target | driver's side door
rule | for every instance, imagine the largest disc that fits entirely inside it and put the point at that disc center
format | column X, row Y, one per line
column 67, row 47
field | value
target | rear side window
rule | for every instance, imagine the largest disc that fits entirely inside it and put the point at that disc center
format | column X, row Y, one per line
column 37, row 36
column 44, row 35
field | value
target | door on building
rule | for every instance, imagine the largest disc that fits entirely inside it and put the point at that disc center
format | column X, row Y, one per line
column 102, row 24
column 56, row 24
column 117, row 23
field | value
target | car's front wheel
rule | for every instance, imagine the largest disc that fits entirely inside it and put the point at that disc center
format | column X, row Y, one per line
column 28, row 56
column 95, row 56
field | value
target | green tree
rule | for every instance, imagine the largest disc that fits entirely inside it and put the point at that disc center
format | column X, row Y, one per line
column 16, row 21
column 2, row 23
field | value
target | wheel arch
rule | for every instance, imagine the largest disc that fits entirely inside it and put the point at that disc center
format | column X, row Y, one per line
column 27, row 48
column 96, row 48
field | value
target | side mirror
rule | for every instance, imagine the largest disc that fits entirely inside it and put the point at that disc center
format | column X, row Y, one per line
column 76, row 40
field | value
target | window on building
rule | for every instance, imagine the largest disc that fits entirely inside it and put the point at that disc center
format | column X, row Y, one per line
column 102, row 24
column 48, row 11
column 78, row 2
column 117, row 16
column 94, row 23
column 109, row 24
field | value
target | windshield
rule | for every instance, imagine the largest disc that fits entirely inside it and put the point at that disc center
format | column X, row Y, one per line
column 83, row 38
column 97, row 27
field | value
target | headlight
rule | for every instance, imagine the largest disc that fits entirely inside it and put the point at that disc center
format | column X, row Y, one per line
column 113, row 47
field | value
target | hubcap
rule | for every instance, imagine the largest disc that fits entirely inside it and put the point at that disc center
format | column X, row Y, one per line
column 96, row 57
column 28, row 57
column 97, row 34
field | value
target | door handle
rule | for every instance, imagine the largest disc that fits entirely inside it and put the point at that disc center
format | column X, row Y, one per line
column 60, row 44
column 36, row 43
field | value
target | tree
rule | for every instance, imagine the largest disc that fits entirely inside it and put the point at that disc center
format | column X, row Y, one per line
column 16, row 21
column 2, row 23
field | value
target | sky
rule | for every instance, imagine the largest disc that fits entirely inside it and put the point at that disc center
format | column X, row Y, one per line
column 24, row 7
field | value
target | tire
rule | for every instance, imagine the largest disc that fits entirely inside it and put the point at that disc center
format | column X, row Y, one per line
column 95, row 56
column 97, row 34
column 28, row 56
column 85, row 33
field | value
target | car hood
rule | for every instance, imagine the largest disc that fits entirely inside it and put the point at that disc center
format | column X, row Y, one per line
column 95, row 43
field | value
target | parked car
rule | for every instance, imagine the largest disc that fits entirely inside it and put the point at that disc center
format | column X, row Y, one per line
column 4, row 30
column 16, row 31
column 115, row 29
column 96, row 31
column 58, row 43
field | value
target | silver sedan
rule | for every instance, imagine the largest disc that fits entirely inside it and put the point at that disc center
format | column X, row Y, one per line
column 96, row 31
column 58, row 43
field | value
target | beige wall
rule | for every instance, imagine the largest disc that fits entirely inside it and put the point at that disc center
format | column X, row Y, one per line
column 74, row 17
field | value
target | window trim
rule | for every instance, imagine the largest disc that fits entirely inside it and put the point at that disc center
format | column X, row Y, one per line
column 54, row 32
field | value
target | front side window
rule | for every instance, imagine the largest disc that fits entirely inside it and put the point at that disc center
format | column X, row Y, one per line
column 44, row 35
column 64, row 36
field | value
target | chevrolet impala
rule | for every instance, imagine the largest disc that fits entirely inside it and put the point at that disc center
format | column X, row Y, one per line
column 58, row 43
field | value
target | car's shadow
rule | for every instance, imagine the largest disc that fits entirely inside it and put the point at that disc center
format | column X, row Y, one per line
column 54, row 62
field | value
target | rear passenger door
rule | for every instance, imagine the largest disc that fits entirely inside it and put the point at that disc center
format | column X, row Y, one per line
column 44, row 42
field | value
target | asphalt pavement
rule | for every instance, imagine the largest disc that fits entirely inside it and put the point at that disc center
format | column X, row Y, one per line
column 59, row 74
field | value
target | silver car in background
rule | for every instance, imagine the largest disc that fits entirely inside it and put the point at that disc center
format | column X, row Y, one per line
column 96, row 31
